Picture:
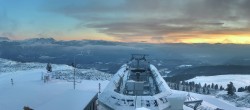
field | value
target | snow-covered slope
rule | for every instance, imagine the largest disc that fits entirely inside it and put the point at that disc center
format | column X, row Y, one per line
column 13, row 66
column 240, row 99
column 30, row 90
column 211, row 102
column 238, row 80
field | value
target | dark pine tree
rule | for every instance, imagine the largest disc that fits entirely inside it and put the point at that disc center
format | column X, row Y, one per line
column 216, row 87
column 183, row 88
column 208, row 92
column 205, row 85
column 203, row 90
column 177, row 86
column 248, row 88
column 27, row 108
column 221, row 88
column 208, row 86
column 49, row 67
column 212, row 86
column 241, row 89
column 230, row 89
column 197, row 88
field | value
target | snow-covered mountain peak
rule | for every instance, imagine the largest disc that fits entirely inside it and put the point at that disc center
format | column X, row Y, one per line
column 39, row 40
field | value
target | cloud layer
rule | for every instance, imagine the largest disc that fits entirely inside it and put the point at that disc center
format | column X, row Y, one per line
column 156, row 20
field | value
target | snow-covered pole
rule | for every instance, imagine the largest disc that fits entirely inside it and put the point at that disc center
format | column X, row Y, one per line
column 12, row 82
column 74, row 72
column 74, row 65
column 99, row 88
column 42, row 76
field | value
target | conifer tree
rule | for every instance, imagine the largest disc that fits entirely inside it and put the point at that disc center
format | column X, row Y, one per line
column 241, row 89
column 230, row 89
column 49, row 67
column 203, row 90
column 216, row 87
column 221, row 88
column 248, row 88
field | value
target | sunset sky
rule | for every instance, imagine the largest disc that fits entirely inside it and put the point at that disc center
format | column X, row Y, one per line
column 153, row 21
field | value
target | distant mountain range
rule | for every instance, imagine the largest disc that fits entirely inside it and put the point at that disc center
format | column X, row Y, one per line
column 4, row 39
column 109, row 56
column 39, row 40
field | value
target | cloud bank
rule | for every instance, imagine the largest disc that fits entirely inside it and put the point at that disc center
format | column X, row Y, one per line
column 156, row 20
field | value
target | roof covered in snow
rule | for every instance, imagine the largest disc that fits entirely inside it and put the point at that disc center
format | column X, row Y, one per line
column 69, row 100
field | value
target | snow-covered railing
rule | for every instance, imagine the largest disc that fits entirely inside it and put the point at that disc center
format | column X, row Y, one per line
column 162, row 85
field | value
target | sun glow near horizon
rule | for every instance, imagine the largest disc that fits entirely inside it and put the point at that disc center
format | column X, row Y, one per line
column 224, row 39
column 154, row 21
column 210, row 39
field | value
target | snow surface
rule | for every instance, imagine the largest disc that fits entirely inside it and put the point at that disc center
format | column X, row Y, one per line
column 143, row 108
column 240, row 99
column 30, row 90
column 184, row 66
column 238, row 80
column 211, row 102
column 74, row 99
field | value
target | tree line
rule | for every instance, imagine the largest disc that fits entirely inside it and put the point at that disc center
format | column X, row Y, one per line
column 196, row 88
column 244, row 89
column 206, row 88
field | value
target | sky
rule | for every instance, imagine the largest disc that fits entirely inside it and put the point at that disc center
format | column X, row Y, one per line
column 152, row 21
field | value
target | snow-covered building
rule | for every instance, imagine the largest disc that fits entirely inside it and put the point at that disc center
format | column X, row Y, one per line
column 72, row 100
column 138, row 84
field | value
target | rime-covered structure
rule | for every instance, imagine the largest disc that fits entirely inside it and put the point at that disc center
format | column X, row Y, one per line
column 138, row 84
